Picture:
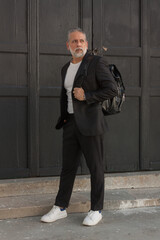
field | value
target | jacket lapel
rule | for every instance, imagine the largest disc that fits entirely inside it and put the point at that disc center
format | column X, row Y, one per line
column 80, row 71
column 64, row 71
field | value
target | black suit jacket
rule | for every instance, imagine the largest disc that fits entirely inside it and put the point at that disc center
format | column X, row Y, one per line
column 99, row 85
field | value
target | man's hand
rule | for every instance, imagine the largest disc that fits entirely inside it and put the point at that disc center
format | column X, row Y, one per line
column 79, row 94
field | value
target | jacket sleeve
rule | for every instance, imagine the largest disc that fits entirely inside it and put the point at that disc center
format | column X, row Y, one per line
column 107, row 87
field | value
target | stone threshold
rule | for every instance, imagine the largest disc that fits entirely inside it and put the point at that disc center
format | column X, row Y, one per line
column 39, row 204
column 49, row 185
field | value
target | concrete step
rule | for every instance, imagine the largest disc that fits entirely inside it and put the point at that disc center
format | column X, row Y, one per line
column 49, row 185
column 38, row 204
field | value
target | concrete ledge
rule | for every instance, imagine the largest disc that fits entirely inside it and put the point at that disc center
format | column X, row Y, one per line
column 46, row 185
column 37, row 205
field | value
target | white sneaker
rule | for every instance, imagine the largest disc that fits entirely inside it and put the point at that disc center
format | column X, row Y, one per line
column 92, row 218
column 54, row 214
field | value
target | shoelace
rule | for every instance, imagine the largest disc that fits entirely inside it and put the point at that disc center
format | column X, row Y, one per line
column 91, row 212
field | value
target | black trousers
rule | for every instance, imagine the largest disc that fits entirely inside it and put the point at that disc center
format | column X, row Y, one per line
column 74, row 144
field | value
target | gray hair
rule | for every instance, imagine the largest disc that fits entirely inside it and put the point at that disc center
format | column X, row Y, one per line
column 76, row 30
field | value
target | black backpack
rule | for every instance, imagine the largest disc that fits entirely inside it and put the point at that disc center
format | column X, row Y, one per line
column 113, row 105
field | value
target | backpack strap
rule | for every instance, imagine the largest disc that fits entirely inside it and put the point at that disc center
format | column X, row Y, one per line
column 86, row 65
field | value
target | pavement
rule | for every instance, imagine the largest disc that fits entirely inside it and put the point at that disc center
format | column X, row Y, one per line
column 124, row 224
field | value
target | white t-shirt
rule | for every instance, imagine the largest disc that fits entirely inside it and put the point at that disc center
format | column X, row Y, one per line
column 68, row 83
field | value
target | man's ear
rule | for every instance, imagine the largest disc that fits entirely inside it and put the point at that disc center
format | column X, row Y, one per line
column 67, row 44
column 87, row 45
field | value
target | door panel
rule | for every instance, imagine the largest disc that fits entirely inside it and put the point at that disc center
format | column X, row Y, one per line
column 154, row 152
column 13, row 19
column 120, row 34
column 154, row 85
column 122, row 138
column 120, row 23
column 13, row 89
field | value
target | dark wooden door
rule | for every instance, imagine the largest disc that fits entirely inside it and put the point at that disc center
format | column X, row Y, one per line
column 151, row 158
column 120, row 33
column 32, row 51
column 129, row 29
column 55, row 18
column 14, row 87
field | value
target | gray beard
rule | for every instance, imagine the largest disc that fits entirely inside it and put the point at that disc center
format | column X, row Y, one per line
column 77, row 55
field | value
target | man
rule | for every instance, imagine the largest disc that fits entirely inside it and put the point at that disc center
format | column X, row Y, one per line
column 83, row 125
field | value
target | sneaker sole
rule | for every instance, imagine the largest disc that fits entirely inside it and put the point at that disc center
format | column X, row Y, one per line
column 90, row 225
column 54, row 219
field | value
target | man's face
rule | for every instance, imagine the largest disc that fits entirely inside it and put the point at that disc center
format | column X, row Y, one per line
column 77, row 44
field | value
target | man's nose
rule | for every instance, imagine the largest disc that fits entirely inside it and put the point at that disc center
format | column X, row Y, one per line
column 79, row 44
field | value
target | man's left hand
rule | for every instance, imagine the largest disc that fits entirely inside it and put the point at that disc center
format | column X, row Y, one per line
column 79, row 94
